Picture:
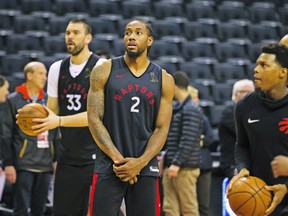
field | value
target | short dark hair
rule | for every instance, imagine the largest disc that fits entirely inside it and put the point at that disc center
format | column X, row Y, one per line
column 84, row 22
column 181, row 79
column 2, row 80
column 147, row 24
column 280, row 51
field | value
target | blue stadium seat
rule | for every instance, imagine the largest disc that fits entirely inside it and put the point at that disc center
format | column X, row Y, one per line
column 228, row 10
column 225, row 72
column 192, row 49
column 97, row 7
column 7, row 18
column 101, row 26
column 201, row 28
column 283, row 13
column 196, row 71
column 136, row 8
column 54, row 44
column 13, row 63
column 170, row 63
column 230, row 49
column 221, row 92
column 233, row 29
column 18, row 42
column 9, row 4
column 161, row 48
column 62, row 7
column 166, row 27
column 29, row 6
column 164, row 9
column 266, row 30
column 263, row 11
column 200, row 9
column 57, row 24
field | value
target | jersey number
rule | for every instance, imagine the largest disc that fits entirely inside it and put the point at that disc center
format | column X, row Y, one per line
column 74, row 102
column 136, row 103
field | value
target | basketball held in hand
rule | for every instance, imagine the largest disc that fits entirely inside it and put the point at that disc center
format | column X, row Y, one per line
column 248, row 196
column 29, row 112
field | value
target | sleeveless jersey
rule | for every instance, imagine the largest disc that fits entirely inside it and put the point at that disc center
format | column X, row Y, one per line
column 131, row 109
column 77, row 143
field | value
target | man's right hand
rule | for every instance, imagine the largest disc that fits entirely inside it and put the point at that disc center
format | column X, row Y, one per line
column 10, row 174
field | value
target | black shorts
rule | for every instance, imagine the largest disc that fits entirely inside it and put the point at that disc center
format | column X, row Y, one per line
column 141, row 199
column 71, row 189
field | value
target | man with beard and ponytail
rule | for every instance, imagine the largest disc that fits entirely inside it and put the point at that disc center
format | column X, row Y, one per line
column 68, row 85
column 129, row 112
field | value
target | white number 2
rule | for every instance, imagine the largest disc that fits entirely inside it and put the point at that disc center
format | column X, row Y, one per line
column 74, row 102
column 134, row 106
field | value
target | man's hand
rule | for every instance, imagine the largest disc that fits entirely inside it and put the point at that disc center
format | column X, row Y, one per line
column 279, row 166
column 10, row 174
column 279, row 191
column 127, row 169
column 51, row 122
column 173, row 171
column 243, row 173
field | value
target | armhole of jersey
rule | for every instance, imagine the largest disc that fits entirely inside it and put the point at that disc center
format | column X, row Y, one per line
column 111, row 69
column 62, row 65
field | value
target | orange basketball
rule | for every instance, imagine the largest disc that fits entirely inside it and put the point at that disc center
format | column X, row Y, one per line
column 248, row 196
column 27, row 113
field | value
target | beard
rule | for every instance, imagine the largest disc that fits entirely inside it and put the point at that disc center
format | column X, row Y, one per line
column 75, row 51
column 133, row 54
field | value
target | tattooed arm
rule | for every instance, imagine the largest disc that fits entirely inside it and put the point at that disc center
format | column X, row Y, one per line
column 95, row 110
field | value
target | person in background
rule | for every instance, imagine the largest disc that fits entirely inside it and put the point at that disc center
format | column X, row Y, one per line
column 182, row 159
column 261, row 121
column 4, row 89
column 4, row 92
column 68, row 86
column 28, row 160
column 227, row 128
column 7, row 196
column 204, row 179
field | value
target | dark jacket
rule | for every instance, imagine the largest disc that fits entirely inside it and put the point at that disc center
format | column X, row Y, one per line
column 206, row 159
column 19, row 149
column 227, row 139
column 183, row 141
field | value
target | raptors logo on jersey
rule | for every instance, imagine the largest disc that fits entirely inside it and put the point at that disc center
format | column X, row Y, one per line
column 283, row 125
column 135, row 88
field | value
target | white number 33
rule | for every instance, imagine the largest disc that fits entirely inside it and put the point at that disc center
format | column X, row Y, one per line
column 74, row 102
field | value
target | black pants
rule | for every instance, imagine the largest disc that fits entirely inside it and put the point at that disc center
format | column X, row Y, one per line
column 31, row 190
column 71, row 189
column 141, row 199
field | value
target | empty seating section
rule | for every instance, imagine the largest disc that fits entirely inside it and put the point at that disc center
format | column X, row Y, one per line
column 215, row 42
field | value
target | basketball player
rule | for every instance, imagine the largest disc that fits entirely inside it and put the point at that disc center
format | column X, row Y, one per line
column 68, row 84
column 28, row 160
column 129, row 112
column 261, row 124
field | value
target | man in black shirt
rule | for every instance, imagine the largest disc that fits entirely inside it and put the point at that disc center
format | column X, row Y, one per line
column 261, row 124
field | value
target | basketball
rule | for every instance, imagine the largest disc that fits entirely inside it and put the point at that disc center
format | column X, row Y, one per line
column 27, row 113
column 248, row 196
